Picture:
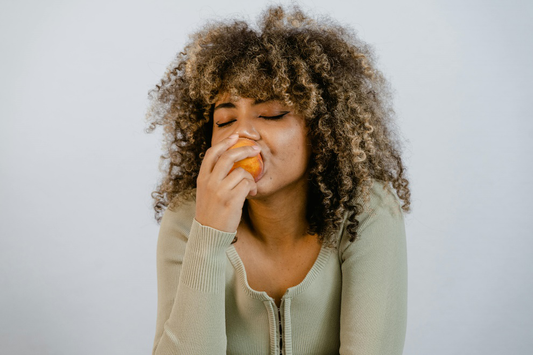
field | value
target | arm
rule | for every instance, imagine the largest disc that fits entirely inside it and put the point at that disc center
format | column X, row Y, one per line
column 374, row 281
column 191, row 280
column 191, row 310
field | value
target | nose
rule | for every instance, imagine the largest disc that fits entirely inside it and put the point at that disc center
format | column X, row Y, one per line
column 245, row 128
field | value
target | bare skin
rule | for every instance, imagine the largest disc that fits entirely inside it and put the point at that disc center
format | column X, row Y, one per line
column 272, row 241
column 271, row 271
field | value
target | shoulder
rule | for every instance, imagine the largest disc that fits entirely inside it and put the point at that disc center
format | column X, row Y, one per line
column 177, row 220
column 383, row 198
column 381, row 221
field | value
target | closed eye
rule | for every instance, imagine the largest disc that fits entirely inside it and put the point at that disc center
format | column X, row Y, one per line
column 224, row 124
column 274, row 117
column 265, row 117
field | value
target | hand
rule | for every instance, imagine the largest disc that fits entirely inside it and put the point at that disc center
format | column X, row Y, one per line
column 219, row 196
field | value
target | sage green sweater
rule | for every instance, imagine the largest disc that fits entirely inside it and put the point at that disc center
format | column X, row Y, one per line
column 352, row 301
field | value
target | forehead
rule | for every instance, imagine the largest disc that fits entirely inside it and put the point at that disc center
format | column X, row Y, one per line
column 228, row 98
column 233, row 97
column 258, row 90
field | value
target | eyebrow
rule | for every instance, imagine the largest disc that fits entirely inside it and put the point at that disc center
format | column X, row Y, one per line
column 232, row 105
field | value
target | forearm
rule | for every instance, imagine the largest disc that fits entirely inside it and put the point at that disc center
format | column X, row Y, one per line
column 196, row 324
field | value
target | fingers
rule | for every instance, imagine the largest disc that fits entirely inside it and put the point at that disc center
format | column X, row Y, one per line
column 245, row 188
column 219, row 159
column 213, row 153
column 220, row 195
column 229, row 158
column 240, row 179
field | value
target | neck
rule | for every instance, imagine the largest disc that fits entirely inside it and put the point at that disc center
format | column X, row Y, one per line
column 278, row 221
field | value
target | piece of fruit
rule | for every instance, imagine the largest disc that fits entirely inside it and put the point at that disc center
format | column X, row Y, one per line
column 253, row 165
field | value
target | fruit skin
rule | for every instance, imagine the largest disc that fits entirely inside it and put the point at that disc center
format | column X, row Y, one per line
column 253, row 165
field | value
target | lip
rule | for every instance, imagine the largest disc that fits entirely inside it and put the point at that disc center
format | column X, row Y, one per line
column 260, row 176
column 263, row 171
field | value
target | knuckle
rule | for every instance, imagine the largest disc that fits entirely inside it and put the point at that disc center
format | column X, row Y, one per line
column 225, row 156
column 209, row 152
column 219, row 195
column 200, row 180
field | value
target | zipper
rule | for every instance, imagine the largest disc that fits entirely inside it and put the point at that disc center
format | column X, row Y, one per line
column 280, row 332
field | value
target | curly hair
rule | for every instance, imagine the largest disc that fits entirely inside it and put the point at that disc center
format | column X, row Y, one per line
column 317, row 66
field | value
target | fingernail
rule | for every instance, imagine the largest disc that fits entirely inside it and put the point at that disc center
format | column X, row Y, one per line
column 233, row 136
column 255, row 147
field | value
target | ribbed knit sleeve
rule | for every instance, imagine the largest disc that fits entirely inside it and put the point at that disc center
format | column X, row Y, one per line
column 374, row 280
column 191, row 287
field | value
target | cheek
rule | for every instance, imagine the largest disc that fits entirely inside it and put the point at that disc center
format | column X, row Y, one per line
column 295, row 147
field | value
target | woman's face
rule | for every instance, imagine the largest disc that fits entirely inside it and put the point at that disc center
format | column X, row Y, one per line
column 279, row 131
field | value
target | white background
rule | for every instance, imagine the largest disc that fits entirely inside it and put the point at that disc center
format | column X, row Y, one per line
column 78, row 235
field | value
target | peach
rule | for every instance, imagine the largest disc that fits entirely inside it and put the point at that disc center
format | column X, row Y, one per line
column 253, row 165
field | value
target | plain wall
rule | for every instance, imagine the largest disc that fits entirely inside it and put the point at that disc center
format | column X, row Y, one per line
column 78, row 233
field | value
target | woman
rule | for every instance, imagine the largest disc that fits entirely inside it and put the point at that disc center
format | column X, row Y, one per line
column 309, row 257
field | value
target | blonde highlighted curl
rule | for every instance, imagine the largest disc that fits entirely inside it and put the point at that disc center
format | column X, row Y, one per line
column 321, row 68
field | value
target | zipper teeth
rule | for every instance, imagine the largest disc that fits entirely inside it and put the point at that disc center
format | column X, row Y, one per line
column 280, row 333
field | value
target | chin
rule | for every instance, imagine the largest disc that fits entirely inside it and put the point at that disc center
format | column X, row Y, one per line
column 261, row 192
column 265, row 188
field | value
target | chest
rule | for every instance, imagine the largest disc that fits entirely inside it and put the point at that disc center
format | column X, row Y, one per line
column 310, row 310
column 274, row 274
